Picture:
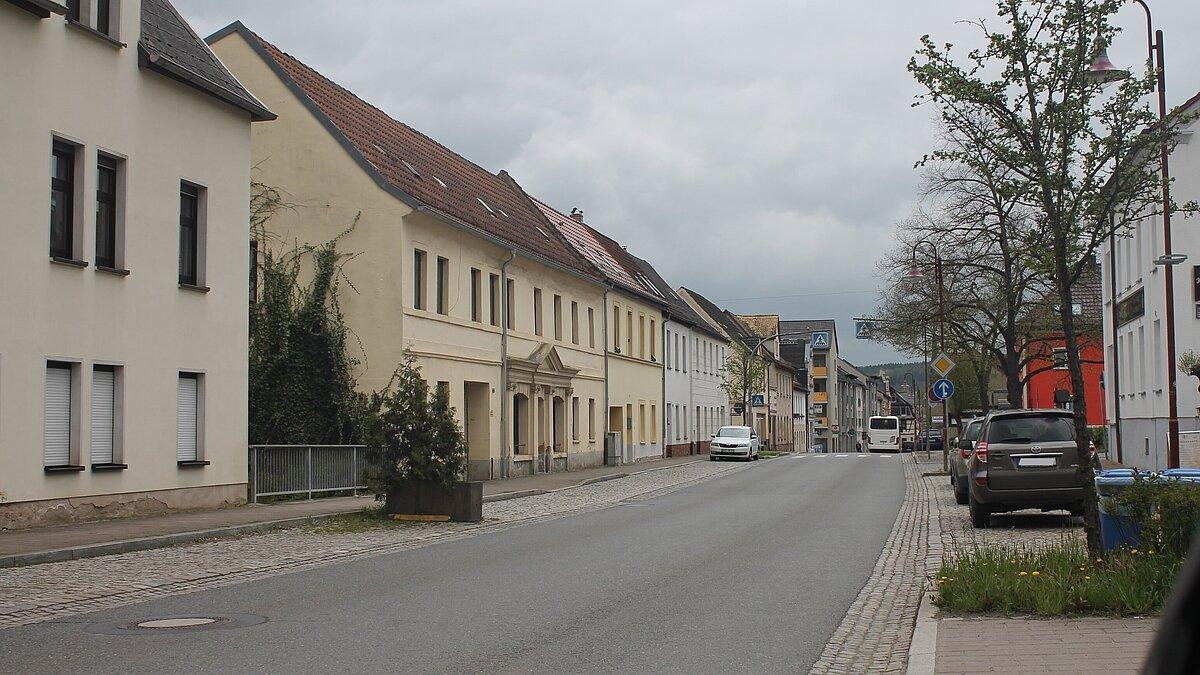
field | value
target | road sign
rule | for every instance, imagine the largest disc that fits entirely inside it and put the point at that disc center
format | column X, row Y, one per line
column 820, row 339
column 864, row 330
column 942, row 364
column 756, row 400
column 942, row 389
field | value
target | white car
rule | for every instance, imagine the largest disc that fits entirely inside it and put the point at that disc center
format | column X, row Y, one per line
column 738, row 442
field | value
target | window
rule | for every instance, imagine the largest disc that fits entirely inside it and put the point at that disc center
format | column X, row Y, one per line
column 574, row 322
column 629, row 332
column 574, row 418
column 105, row 17
column 106, row 212
column 616, row 329
column 678, row 425
column 443, row 391
column 1059, row 358
column 189, row 235
column 418, row 279
column 677, row 351
column 443, row 286
column 62, row 201
column 188, row 423
column 591, row 328
column 510, row 299
column 104, row 415
column 667, row 355
column 641, row 336
column 654, row 422
column 642, row 422
column 494, row 299
column 591, row 418
column 58, row 420
column 653, row 341
column 537, row 311
column 558, row 333
column 685, row 352
column 476, row 294
column 74, row 11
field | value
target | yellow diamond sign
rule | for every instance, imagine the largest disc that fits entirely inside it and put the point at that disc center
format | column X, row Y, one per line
column 942, row 364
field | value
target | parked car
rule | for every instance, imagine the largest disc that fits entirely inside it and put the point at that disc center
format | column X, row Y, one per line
column 930, row 440
column 736, row 442
column 1025, row 459
column 960, row 460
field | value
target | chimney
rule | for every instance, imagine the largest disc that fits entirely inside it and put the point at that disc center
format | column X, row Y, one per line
column 576, row 215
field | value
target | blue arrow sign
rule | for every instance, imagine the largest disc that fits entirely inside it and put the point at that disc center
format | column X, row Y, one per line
column 943, row 389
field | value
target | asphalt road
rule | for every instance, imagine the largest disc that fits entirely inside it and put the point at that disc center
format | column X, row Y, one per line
column 749, row 572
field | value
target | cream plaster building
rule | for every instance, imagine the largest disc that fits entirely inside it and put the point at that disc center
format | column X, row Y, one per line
column 633, row 363
column 450, row 261
column 125, row 186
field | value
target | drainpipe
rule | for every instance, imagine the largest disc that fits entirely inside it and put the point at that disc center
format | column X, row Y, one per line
column 604, row 356
column 505, row 449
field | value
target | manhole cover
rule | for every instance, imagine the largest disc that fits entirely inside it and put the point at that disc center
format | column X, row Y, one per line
column 175, row 624
column 182, row 622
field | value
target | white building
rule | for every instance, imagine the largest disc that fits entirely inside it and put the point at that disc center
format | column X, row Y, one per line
column 1135, row 372
column 125, row 189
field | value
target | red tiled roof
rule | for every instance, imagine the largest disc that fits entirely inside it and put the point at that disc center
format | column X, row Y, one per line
column 423, row 170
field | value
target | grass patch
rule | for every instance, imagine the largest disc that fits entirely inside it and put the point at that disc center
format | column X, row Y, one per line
column 767, row 454
column 365, row 520
column 1056, row 580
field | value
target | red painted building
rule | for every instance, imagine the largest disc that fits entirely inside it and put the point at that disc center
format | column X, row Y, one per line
column 1051, row 387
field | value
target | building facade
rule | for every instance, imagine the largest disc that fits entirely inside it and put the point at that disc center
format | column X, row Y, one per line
column 1134, row 304
column 450, row 262
column 828, row 434
column 123, row 368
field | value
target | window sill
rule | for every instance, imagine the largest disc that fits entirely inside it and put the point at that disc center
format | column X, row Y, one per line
column 192, row 463
column 109, row 467
column 103, row 37
column 522, row 458
column 64, row 468
column 117, row 271
column 69, row 262
column 194, row 288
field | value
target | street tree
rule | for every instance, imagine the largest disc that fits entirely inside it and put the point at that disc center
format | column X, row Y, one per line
column 1077, row 160
column 743, row 374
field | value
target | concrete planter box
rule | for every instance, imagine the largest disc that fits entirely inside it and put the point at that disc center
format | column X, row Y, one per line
column 463, row 502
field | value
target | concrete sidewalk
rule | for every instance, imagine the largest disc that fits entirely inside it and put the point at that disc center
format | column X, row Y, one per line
column 106, row 537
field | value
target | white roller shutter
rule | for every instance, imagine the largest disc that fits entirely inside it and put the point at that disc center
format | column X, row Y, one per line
column 185, row 446
column 103, row 390
column 56, row 430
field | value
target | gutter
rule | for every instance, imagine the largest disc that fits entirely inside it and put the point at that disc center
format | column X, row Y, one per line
column 505, row 450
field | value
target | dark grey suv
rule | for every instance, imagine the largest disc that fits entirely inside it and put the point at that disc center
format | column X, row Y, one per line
column 1025, row 459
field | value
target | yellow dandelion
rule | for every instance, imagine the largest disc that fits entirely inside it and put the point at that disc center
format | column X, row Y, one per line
column 1151, row 552
column 1037, row 573
column 1023, row 574
column 1134, row 551
column 1081, row 568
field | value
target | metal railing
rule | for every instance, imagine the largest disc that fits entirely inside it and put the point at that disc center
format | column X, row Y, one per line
column 305, row 469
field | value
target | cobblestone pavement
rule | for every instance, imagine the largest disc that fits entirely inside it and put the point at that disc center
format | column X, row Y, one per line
column 55, row 590
column 876, row 632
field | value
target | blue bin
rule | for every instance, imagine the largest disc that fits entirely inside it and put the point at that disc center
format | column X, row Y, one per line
column 1116, row 530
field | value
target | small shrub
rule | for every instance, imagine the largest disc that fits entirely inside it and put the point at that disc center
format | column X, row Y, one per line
column 1164, row 512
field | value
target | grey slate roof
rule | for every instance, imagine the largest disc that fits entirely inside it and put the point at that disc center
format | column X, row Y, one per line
column 168, row 45
column 725, row 319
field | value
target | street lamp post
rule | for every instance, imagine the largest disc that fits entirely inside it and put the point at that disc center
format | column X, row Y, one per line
column 915, row 272
column 1102, row 70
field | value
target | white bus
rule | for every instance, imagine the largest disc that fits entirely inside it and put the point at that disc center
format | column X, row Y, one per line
column 883, row 434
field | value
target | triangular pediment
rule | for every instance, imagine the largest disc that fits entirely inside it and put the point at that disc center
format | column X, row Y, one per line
column 545, row 360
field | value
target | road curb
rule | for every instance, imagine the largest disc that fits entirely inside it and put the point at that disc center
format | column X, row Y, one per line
column 176, row 538
column 922, row 652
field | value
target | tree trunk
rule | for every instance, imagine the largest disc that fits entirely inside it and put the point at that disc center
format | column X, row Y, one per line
column 1091, row 511
column 1012, row 377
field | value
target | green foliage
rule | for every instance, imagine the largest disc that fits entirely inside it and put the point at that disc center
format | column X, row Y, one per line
column 743, row 374
column 1164, row 512
column 1189, row 362
column 412, row 434
column 302, row 388
column 1099, row 436
column 1055, row 580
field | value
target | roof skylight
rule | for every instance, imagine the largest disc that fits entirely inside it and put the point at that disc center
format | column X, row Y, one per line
column 485, row 205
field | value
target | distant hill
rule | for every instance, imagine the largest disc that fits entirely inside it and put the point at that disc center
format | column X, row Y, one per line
column 896, row 371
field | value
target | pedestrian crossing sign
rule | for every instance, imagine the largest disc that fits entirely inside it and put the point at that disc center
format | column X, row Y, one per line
column 820, row 339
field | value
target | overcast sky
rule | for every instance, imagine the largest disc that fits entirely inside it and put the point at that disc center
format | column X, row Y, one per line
column 757, row 152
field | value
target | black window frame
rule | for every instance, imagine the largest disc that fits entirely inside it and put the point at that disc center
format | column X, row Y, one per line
column 63, row 246
column 189, row 235
column 104, row 16
column 419, row 258
column 476, row 293
column 105, row 164
column 494, row 299
column 74, row 10
column 443, row 285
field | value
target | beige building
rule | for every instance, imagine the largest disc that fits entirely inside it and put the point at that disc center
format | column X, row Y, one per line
column 450, row 261
column 633, row 351
column 125, row 192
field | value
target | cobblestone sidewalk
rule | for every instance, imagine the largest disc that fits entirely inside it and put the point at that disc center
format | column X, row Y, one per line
column 876, row 632
column 54, row 590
